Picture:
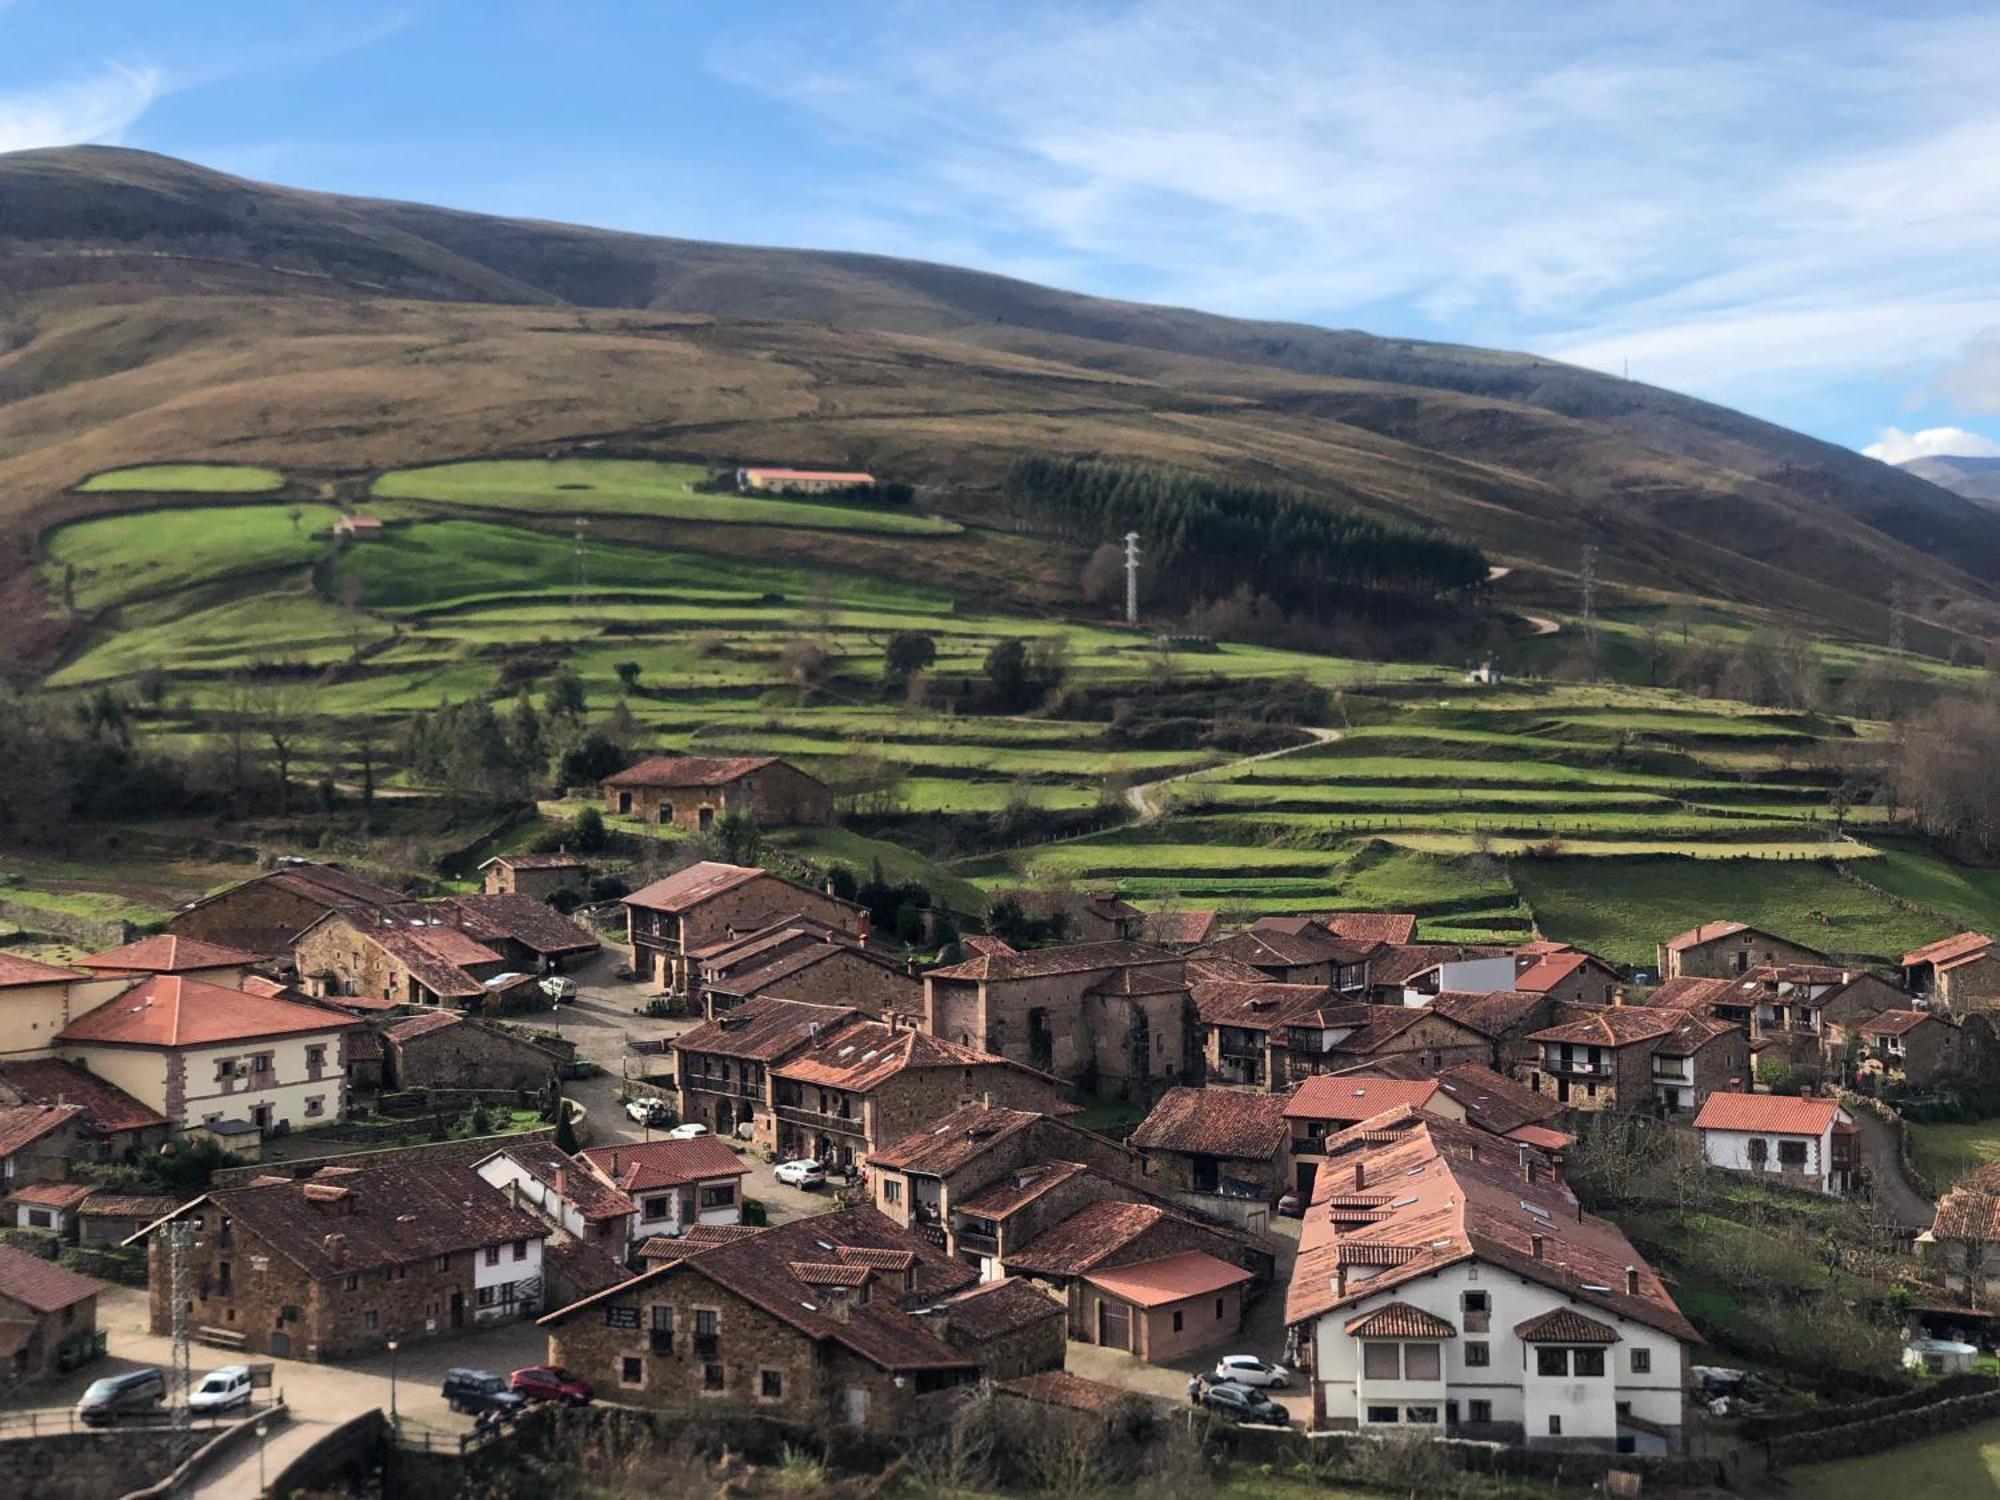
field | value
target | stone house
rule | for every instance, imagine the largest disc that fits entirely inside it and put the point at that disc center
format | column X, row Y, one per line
column 1369, row 929
column 1459, row 1290
column 1638, row 1057
column 1806, row 1143
column 45, row 1311
column 1334, row 1038
column 720, row 1068
column 1793, row 1011
column 440, row 1050
column 1221, row 1150
column 1180, row 930
column 37, row 1000
column 1297, row 950
column 672, row 1185
column 1240, row 1024
column 1011, row 1326
column 1963, row 1243
column 1165, row 1309
column 1506, row 1018
column 532, row 936
column 265, row 914
column 695, row 792
column 417, row 959
column 202, row 1055
column 872, row 1082
column 804, row 960
column 811, row 1322
column 109, row 1219
column 337, row 1263
column 1717, row 950
column 1917, row 1047
column 1569, row 977
column 166, row 953
column 1960, row 972
column 565, row 1192
column 537, row 875
column 118, row 1122
column 669, row 921
column 39, row 1142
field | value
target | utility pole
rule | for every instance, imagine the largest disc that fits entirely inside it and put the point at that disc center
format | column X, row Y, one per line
column 1587, row 576
column 1131, row 578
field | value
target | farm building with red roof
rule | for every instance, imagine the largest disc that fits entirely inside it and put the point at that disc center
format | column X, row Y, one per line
column 696, row 792
column 1807, row 1143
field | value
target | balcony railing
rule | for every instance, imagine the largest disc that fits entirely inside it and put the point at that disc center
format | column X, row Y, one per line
column 1249, row 1048
column 1671, row 1074
column 798, row 1114
column 1577, row 1065
column 976, row 1241
column 708, row 1083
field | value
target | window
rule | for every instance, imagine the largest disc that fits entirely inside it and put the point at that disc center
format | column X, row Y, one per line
column 1642, row 1361
column 354, row 1282
column 1422, row 1362
column 486, row 1297
column 707, row 1322
column 315, row 1059
column 1586, row 1362
column 315, row 1106
column 371, row 1320
column 442, row 1263
column 1479, row 1411
column 1423, row 1414
column 663, row 1330
column 38, row 1218
column 720, row 1195
column 1552, row 1362
column 1477, row 1308
column 1383, row 1414
column 892, row 1191
column 1218, row 1308
column 712, row 1377
column 1791, row 1153
column 631, row 1370
column 1381, row 1361
column 658, row 1208
column 1555, row 1426
column 1478, row 1354
column 1177, row 1322
column 520, row 1249
column 1758, row 1150
column 770, row 1385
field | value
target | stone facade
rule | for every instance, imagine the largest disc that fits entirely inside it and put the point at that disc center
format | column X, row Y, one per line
column 1732, row 954
column 465, row 1055
column 847, row 977
column 1970, row 986
column 661, row 941
column 777, row 795
column 505, row 877
column 842, row 1127
column 48, row 1333
column 1642, row 1075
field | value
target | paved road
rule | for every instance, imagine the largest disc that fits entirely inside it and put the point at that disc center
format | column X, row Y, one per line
column 1142, row 799
column 1894, row 1192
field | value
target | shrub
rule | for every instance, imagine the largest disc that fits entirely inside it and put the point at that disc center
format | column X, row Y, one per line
column 755, row 1215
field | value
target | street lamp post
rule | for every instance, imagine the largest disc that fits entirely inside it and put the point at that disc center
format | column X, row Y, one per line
column 262, row 1428
column 392, row 1381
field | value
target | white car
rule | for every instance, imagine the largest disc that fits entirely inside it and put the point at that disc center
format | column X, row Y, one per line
column 221, row 1390
column 803, row 1173
column 686, row 1132
column 648, row 1111
column 1247, row 1369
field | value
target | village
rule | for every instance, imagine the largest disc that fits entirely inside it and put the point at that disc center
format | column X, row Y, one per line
column 720, row 1145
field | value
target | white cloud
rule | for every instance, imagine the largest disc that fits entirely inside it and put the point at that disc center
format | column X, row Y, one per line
column 1896, row 446
column 96, row 110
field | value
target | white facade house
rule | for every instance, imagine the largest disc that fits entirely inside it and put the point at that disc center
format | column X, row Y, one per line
column 673, row 1185
column 1449, row 1282
column 564, row 1191
column 507, row 1280
column 1810, row 1143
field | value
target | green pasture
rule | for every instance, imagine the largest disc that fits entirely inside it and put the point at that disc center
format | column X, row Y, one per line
column 209, row 479
column 1964, row 1465
column 1945, row 1153
column 118, row 558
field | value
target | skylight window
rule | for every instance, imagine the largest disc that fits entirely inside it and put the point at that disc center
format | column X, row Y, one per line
column 1538, row 1211
column 1406, row 1202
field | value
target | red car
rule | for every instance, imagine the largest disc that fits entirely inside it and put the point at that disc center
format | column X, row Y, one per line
column 550, row 1383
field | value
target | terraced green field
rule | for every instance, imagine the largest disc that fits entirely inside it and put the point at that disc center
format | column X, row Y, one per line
column 204, row 479
column 118, row 558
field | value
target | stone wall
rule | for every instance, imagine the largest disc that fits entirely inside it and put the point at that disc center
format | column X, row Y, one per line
column 351, row 1450
column 468, row 1055
column 89, row 1465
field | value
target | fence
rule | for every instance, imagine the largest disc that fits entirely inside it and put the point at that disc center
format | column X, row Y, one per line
column 49, row 1421
column 91, row 932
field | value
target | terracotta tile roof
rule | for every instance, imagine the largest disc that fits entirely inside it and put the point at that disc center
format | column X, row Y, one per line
column 1344, row 1096
column 1132, row 980
column 1944, row 950
column 42, row 1284
column 864, row 1054
column 1184, row 927
column 791, row 973
column 368, row 1218
column 1171, row 1278
column 1367, row 927
column 1707, row 932
column 820, row 1273
column 764, row 1029
column 1001, row 1199
column 1693, row 994
column 994, row 1309
column 1215, row 1122
column 690, row 770
column 1971, row 1210
column 144, row 1207
column 24, row 1124
column 1400, row 1320
column 339, row 889
column 582, row 1266
column 1207, row 969
column 962, row 1136
column 696, row 884
column 171, row 1011
column 15, row 970
column 423, row 1025
column 49, row 1081
column 1274, row 943
column 1542, row 1138
column 166, row 953
column 1256, row 1006
column 1064, row 958
column 824, row 476
column 647, row 1166
column 557, row 861
column 1773, row 1112
column 1492, row 1015
column 988, row 947
column 695, row 1239
column 1615, row 1026
column 1496, row 1102
column 1071, row 1392
column 531, row 922
column 1454, row 1198
column 1565, row 1325
column 1400, row 963
column 1695, row 1032
column 1091, row 1234
column 593, row 1197
column 62, row 1195
column 1896, row 1023
column 1549, row 971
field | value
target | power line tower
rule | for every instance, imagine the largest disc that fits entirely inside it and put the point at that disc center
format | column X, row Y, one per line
column 579, row 581
column 180, row 1378
column 1587, row 576
column 1131, row 578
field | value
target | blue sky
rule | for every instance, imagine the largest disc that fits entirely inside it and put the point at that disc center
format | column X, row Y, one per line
column 1790, row 207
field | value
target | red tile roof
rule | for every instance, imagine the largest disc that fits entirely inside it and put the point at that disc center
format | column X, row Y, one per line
column 1184, row 927
column 1496, row 1102
column 1256, row 1006
column 1215, row 1122
column 537, row 861
column 24, row 1124
column 1565, row 1325
column 527, row 920
column 1171, row 1278
column 63, row 1195
column 423, row 1025
column 962, row 1136
column 690, row 770
column 824, row 476
column 1944, row 950
column 42, row 1284
column 1549, row 971
column 166, row 953
column 694, row 885
column 864, row 1054
column 144, row 1207
column 1274, row 943
column 593, row 1198
column 1372, row 926
column 1491, row 1015
column 1615, row 1026
column 1694, row 994
column 1400, row 1320
column 1400, row 963
column 1896, row 1023
column 647, row 1166
column 1071, row 1392
column 170, row 1011
column 1766, row 1112
column 1064, row 958
column 1100, row 1230
column 988, row 947
column 1342, row 1096
column 20, row 971
column 49, row 1081
column 1708, row 932
column 764, row 1029
column 1008, row 1195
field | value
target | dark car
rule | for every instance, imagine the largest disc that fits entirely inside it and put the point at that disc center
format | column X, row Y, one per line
column 476, row 1391
column 550, row 1383
column 115, row 1397
column 1243, row 1404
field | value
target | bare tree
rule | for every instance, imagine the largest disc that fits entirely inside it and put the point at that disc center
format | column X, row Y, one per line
column 281, row 714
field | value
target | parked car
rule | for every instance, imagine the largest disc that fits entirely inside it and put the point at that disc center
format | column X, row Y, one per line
column 650, row 1112
column 221, row 1390
column 550, row 1383
column 118, row 1396
column 1243, row 1404
column 1292, row 1206
column 686, row 1132
column 476, row 1391
column 559, row 988
column 1247, row 1369
column 803, row 1173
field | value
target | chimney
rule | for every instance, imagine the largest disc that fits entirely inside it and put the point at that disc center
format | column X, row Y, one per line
column 1631, row 1281
column 1472, row 1151
column 406, row 1229
column 865, row 926
column 1340, row 1280
column 562, row 1182
column 1360, row 1175
column 1527, row 1169
column 335, row 1246
column 833, row 1302
column 1535, row 1245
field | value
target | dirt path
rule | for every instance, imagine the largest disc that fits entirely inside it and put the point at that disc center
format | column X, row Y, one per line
column 1894, row 1193
column 1141, row 797
column 1541, row 625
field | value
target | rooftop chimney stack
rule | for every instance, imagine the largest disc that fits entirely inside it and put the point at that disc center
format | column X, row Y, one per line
column 562, row 1182
column 1360, row 1175
column 1535, row 1245
column 1631, row 1281
column 335, row 1246
column 406, row 1229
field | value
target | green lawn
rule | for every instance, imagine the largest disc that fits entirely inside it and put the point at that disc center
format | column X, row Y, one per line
column 1945, row 1153
column 1970, row 897
column 117, row 558
column 210, row 479
column 619, row 486
column 1959, row 1465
